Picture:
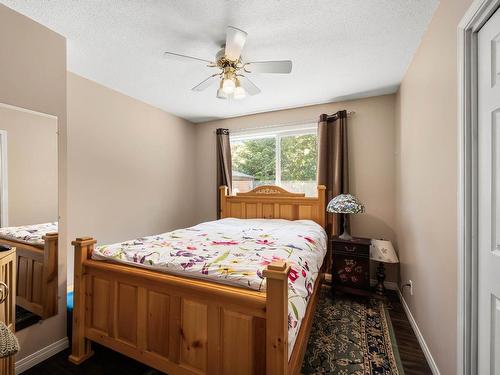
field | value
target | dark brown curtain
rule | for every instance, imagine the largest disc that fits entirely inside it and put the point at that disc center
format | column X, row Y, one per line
column 224, row 170
column 333, row 167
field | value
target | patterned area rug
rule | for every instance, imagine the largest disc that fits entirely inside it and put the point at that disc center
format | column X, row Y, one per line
column 351, row 336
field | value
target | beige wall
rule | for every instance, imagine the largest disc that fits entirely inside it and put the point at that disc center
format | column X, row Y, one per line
column 32, row 166
column 33, row 76
column 426, row 183
column 371, row 155
column 131, row 167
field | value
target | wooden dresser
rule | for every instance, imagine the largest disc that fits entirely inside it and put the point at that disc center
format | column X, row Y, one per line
column 351, row 264
column 8, row 306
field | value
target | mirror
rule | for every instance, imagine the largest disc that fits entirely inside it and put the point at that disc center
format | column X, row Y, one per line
column 29, row 208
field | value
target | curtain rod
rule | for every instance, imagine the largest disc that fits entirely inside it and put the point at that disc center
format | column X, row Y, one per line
column 277, row 125
column 349, row 113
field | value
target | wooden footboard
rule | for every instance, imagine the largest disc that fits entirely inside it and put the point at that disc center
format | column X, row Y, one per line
column 181, row 325
column 37, row 276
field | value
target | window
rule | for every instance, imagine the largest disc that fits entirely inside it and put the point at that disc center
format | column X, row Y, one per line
column 283, row 156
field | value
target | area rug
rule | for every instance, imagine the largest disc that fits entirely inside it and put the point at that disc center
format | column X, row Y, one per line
column 351, row 335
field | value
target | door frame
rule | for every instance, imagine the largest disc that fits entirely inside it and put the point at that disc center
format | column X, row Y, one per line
column 467, row 342
column 4, row 180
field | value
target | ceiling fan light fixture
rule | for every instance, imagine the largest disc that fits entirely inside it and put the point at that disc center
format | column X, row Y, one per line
column 239, row 92
column 230, row 65
column 228, row 85
column 221, row 94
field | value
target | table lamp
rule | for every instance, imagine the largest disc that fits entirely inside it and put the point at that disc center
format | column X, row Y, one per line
column 345, row 204
column 382, row 251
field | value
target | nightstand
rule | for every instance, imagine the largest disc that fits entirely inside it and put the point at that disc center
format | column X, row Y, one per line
column 351, row 265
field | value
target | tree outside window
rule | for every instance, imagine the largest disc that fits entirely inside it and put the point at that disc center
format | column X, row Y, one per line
column 286, row 159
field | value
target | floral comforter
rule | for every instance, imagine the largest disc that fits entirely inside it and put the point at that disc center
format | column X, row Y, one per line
column 30, row 234
column 235, row 252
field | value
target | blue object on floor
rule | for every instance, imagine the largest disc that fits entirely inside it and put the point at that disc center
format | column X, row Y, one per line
column 69, row 301
column 69, row 308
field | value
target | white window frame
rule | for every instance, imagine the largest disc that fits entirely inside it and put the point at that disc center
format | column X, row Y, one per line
column 276, row 132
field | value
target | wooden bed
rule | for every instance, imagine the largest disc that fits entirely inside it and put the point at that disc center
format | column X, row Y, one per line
column 181, row 325
column 8, row 302
column 37, row 275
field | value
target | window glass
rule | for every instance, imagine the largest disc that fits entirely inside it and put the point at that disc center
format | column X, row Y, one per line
column 281, row 157
column 254, row 163
column 298, row 163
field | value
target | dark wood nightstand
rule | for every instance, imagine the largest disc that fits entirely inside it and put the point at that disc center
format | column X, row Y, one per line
column 351, row 265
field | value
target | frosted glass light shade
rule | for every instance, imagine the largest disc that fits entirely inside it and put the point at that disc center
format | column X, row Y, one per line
column 221, row 94
column 383, row 251
column 228, row 86
column 239, row 93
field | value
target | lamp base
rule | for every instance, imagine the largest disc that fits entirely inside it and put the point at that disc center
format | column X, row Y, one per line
column 380, row 288
column 345, row 236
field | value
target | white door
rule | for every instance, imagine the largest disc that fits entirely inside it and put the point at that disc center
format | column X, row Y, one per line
column 489, row 196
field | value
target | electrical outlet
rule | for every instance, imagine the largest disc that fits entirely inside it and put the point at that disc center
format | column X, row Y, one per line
column 410, row 283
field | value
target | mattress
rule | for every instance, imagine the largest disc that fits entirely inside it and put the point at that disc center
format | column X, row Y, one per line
column 29, row 234
column 235, row 252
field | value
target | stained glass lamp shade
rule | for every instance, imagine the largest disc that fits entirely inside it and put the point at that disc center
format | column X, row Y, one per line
column 345, row 204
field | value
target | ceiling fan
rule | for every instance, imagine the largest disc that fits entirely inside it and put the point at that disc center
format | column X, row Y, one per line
column 233, row 84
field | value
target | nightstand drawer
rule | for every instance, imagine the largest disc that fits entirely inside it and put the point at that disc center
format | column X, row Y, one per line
column 351, row 249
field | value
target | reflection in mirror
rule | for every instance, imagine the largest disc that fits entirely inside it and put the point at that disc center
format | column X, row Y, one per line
column 28, row 209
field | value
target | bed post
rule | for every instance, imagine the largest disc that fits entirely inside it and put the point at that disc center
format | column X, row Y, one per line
column 222, row 195
column 277, row 318
column 50, row 267
column 80, row 346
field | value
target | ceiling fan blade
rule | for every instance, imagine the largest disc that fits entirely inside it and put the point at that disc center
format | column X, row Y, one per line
column 280, row 67
column 235, row 40
column 179, row 57
column 248, row 85
column 205, row 83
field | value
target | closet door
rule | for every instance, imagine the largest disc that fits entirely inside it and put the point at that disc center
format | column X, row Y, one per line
column 489, row 196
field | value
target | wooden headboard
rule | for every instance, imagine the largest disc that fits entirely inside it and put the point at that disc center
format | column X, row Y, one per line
column 274, row 202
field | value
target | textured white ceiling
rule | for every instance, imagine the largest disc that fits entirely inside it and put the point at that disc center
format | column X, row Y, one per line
column 339, row 48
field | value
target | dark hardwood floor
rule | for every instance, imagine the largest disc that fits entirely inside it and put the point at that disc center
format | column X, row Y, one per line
column 412, row 357
column 107, row 362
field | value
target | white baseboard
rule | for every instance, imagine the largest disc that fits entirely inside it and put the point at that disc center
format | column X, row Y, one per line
column 41, row 355
column 420, row 338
